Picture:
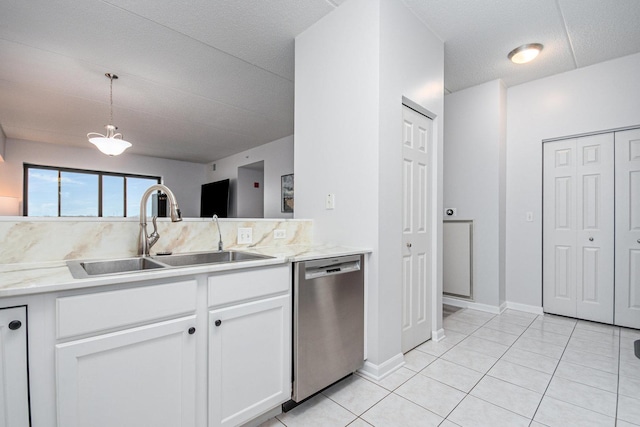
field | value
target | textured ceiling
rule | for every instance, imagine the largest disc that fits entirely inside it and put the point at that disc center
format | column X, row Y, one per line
column 478, row 35
column 204, row 79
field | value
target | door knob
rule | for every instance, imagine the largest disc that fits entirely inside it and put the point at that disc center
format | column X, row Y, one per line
column 218, row 322
column 638, row 240
column 15, row 324
column 591, row 239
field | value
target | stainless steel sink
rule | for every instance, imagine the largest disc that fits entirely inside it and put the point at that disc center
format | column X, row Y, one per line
column 199, row 258
column 84, row 269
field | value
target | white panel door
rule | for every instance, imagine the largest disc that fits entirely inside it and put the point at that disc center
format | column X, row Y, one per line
column 559, row 228
column 14, row 390
column 627, row 306
column 416, row 266
column 595, row 228
column 578, row 228
column 142, row 376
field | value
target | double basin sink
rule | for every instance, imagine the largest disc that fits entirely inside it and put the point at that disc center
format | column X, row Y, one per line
column 86, row 269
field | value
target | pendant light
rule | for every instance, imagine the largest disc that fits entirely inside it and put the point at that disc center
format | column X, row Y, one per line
column 112, row 143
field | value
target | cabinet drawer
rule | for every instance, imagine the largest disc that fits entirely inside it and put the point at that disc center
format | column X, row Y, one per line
column 100, row 311
column 248, row 284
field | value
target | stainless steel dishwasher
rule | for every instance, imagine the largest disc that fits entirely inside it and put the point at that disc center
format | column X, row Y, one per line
column 328, row 322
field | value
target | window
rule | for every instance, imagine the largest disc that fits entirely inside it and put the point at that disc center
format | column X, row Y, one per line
column 51, row 191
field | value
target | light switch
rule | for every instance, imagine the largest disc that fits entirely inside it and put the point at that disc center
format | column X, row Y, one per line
column 331, row 201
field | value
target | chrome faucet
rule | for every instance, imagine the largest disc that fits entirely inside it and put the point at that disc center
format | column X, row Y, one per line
column 215, row 218
column 147, row 240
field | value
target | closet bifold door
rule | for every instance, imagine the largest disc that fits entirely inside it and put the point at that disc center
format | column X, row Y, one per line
column 627, row 294
column 578, row 230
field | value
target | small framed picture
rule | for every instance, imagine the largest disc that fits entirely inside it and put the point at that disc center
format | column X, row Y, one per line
column 287, row 193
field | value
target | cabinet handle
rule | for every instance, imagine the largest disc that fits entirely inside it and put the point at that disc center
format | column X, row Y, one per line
column 638, row 240
column 15, row 324
column 591, row 239
column 192, row 330
column 218, row 322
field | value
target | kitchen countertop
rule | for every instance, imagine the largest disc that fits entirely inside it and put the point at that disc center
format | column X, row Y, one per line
column 34, row 278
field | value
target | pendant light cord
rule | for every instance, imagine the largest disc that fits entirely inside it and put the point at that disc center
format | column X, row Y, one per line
column 111, row 99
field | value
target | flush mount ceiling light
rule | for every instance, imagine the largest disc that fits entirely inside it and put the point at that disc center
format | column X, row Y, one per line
column 112, row 143
column 525, row 53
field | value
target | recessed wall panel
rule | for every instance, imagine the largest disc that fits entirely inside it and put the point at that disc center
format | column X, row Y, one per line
column 422, row 139
column 563, row 158
column 590, row 202
column 407, row 140
column 407, row 196
column 563, row 272
column 407, row 291
column 563, row 203
column 590, row 267
column 590, row 155
column 422, row 198
column 634, row 279
column 422, row 288
column 634, row 201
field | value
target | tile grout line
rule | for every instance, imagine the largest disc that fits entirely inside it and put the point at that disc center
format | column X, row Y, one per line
column 554, row 373
column 486, row 373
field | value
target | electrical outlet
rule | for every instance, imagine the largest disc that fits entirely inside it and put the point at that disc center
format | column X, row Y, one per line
column 330, row 203
column 280, row 234
column 451, row 212
column 245, row 236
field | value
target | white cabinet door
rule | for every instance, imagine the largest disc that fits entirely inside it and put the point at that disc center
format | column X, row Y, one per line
column 142, row 376
column 578, row 231
column 14, row 388
column 416, row 238
column 249, row 360
column 627, row 307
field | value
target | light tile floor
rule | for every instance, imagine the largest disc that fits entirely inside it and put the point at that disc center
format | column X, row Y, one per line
column 513, row 369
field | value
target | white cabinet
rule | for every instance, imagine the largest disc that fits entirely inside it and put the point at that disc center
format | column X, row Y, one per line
column 143, row 375
column 250, row 348
column 14, row 389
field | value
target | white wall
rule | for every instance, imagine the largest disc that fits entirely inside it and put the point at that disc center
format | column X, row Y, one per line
column 183, row 178
column 352, row 69
column 250, row 198
column 278, row 161
column 474, row 180
column 599, row 97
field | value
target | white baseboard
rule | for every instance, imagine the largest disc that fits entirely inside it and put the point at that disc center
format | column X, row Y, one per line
column 491, row 308
column 470, row 304
column 437, row 335
column 533, row 309
column 378, row 372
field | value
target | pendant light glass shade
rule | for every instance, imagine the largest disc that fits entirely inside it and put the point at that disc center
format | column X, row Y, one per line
column 111, row 143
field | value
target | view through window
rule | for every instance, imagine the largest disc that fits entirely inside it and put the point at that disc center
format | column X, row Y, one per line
column 52, row 191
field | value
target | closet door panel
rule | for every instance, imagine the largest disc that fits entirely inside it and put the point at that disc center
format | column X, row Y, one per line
column 627, row 286
column 595, row 228
column 578, row 227
column 559, row 224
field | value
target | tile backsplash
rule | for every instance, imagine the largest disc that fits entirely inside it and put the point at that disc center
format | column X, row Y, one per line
column 41, row 239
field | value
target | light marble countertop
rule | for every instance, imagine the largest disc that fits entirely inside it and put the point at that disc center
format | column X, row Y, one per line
column 33, row 278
